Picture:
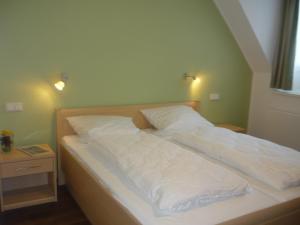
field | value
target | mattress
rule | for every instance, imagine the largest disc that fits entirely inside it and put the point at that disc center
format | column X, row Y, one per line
column 211, row 214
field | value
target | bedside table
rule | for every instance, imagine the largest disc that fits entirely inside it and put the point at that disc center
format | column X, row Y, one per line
column 232, row 127
column 14, row 166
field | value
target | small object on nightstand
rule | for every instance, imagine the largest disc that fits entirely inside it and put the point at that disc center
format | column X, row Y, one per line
column 17, row 166
column 232, row 127
column 6, row 139
column 33, row 150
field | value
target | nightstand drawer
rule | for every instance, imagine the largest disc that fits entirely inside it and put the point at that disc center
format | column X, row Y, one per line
column 26, row 167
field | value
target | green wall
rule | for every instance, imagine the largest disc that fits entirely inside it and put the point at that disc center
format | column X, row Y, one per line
column 115, row 52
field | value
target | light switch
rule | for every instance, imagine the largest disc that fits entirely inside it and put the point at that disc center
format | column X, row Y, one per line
column 214, row 96
column 14, row 107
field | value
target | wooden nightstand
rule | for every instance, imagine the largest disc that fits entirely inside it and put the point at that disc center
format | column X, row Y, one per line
column 232, row 127
column 16, row 165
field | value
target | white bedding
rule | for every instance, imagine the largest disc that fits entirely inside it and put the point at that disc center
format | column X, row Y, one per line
column 273, row 164
column 169, row 177
column 211, row 214
column 279, row 195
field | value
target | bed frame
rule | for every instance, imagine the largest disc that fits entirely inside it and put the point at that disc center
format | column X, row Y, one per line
column 98, row 203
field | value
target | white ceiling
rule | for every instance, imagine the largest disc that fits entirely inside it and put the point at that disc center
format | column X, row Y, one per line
column 255, row 24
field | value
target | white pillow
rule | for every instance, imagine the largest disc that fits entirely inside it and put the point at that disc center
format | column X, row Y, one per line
column 102, row 125
column 179, row 117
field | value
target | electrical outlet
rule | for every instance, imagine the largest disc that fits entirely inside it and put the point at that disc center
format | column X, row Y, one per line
column 14, row 107
column 214, row 96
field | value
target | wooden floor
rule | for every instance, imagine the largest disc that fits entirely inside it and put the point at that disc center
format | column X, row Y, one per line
column 64, row 212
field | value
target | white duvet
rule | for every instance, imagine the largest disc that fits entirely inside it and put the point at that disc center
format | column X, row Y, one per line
column 268, row 162
column 171, row 178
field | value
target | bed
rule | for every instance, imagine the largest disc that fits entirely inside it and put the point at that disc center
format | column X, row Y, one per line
column 102, row 205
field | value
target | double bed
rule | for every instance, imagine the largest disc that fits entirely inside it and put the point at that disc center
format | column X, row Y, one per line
column 106, row 200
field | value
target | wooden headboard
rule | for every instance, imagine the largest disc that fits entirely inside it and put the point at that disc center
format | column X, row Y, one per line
column 63, row 128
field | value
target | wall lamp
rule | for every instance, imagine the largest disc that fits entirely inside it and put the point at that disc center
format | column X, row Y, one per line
column 187, row 76
column 59, row 85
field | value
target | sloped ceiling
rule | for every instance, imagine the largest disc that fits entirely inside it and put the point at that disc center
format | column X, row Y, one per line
column 255, row 24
